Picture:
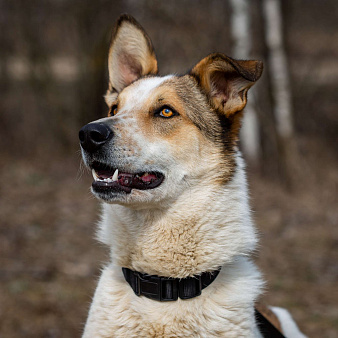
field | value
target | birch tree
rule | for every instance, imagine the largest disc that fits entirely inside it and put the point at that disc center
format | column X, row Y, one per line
column 240, row 30
column 280, row 85
column 278, row 68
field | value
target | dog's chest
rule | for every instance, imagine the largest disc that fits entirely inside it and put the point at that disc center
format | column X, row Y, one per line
column 117, row 312
column 176, row 250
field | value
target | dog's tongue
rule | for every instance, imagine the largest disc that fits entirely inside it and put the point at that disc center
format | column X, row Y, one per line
column 148, row 177
column 128, row 180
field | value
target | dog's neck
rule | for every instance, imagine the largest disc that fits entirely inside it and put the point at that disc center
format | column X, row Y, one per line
column 204, row 229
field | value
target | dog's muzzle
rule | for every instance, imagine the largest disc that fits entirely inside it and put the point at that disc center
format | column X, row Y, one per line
column 112, row 176
column 94, row 135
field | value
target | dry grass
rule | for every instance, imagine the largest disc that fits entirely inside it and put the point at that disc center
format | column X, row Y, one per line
column 50, row 261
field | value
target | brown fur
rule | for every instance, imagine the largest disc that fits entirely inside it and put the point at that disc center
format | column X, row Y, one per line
column 226, row 81
column 269, row 315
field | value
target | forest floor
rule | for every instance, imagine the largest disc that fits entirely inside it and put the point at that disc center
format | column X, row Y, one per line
column 50, row 261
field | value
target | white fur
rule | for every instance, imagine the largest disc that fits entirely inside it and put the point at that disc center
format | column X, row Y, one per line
column 141, row 91
column 289, row 327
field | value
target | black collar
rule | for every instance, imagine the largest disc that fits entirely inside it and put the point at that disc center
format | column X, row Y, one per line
column 168, row 289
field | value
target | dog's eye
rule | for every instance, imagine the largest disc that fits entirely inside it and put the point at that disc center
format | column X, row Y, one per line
column 113, row 110
column 166, row 112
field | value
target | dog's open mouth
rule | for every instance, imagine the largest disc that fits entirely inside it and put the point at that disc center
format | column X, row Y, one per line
column 110, row 179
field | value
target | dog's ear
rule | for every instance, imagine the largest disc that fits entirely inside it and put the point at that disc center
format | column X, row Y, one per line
column 226, row 81
column 131, row 54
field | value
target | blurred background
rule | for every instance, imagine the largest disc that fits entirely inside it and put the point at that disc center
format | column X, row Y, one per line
column 53, row 76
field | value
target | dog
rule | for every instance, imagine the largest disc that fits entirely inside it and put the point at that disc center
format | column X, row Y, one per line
column 175, row 211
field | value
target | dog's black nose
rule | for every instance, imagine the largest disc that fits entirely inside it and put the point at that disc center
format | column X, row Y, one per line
column 93, row 135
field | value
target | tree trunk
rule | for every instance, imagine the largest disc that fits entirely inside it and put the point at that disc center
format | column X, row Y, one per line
column 240, row 28
column 281, row 91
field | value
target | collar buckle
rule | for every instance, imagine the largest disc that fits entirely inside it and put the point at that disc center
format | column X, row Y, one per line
column 158, row 288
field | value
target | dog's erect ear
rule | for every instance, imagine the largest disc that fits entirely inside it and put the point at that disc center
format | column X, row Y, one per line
column 131, row 54
column 226, row 81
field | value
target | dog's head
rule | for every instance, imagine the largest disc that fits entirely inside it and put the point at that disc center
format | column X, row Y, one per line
column 164, row 134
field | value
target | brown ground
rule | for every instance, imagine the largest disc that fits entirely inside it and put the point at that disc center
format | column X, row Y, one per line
column 50, row 261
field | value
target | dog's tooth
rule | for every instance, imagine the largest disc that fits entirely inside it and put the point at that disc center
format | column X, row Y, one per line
column 116, row 175
column 94, row 175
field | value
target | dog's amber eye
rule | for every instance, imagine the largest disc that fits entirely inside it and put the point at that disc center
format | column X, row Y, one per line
column 166, row 112
column 113, row 110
